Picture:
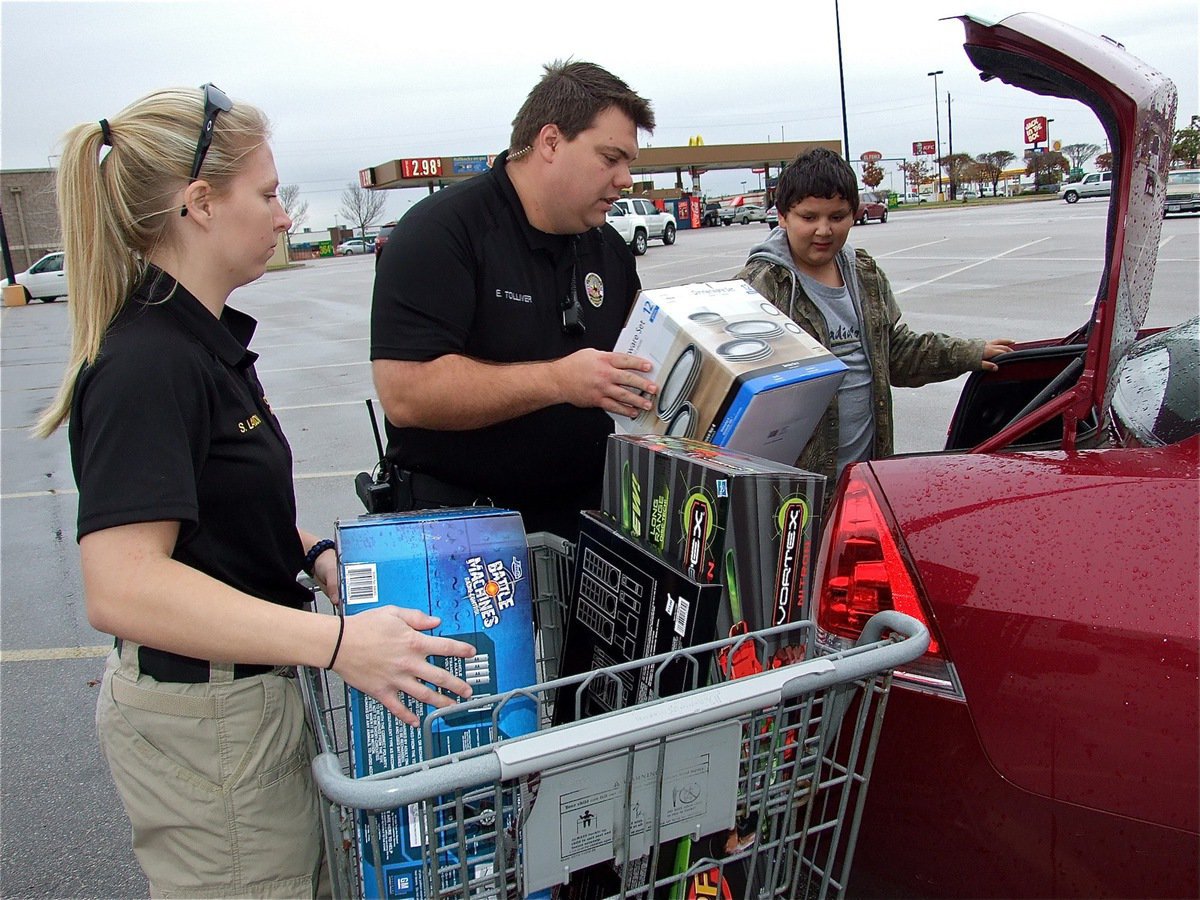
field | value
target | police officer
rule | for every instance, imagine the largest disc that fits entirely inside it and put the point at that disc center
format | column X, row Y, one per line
column 187, row 513
column 497, row 302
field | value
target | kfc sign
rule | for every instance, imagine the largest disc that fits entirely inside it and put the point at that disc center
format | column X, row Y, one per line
column 1035, row 130
column 923, row 148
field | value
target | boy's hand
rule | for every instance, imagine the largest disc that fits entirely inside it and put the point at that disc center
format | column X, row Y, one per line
column 993, row 349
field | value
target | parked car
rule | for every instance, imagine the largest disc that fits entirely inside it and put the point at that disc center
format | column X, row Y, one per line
column 750, row 212
column 772, row 217
column 712, row 215
column 871, row 205
column 660, row 224
column 350, row 248
column 637, row 220
column 45, row 280
column 1046, row 744
column 1183, row 191
column 1098, row 184
column 382, row 237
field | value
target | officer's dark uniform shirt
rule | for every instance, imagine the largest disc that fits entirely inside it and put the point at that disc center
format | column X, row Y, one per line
column 170, row 423
column 465, row 273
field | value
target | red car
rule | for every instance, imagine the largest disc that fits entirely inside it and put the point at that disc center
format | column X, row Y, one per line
column 1048, row 744
column 871, row 205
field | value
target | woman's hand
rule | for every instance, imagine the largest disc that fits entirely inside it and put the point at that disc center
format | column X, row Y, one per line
column 384, row 652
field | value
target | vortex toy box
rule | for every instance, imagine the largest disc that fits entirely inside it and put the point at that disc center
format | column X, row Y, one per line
column 741, row 521
column 468, row 567
column 731, row 368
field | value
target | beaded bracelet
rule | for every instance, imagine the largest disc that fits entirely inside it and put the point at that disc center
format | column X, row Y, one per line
column 310, row 558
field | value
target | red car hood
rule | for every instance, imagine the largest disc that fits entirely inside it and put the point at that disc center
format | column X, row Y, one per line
column 1136, row 105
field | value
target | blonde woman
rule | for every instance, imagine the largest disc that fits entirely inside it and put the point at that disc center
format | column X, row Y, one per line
column 187, row 514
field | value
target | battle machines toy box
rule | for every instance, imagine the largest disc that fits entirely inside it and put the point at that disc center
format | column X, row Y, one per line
column 732, row 369
column 466, row 566
column 744, row 522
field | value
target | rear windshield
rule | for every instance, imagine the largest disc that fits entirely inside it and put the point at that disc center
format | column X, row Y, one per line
column 1183, row 177
column 1158, row 386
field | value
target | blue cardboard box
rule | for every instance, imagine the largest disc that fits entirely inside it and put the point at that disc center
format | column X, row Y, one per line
column 468, row 567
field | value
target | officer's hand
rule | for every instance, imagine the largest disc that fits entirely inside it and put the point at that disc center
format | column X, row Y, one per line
column 610, row 381
column 384, row 652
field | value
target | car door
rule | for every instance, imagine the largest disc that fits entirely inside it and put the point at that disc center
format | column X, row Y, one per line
column 650, row 213
column 47, row 277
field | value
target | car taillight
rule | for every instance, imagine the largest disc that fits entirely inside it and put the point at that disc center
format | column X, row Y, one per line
column 861, row 571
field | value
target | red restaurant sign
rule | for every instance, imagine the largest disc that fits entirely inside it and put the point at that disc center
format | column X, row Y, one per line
column 871, row 156
column 923, row 148
column 1035, row 129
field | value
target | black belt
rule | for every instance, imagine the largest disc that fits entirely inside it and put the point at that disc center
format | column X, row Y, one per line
column 162, row 665
column 429, row 491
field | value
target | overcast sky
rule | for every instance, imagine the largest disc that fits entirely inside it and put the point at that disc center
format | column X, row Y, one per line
column 350, row 85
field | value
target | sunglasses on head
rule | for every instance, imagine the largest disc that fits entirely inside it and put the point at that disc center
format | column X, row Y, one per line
column 215, row 101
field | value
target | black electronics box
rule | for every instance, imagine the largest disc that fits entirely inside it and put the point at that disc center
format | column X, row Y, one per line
column 724, row 517
column 628, row 603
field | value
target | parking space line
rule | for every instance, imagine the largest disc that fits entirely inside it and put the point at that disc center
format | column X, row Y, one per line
column 341, row 365
column 62, row 492
column 972, row 265
column 50, row 653
column 907, row 249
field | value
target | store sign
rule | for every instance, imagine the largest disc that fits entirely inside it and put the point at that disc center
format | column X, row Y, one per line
column 469, row 165
column 924, row 148
column 426, row 167
column 871, row 156
column 1035, row 129
column 366, row 178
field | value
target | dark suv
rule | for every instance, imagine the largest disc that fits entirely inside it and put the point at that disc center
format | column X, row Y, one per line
column 380, row 239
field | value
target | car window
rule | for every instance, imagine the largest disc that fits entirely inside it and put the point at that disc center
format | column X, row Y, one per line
column 1183, row 178
column 617, row 211
column 1091, row 179
column 1157, row 395
column 49, row 264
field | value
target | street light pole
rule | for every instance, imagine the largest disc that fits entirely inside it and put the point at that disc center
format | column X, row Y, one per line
column 937, row 118
column 842, row 82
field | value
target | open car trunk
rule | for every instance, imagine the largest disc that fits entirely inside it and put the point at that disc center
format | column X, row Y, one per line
column 1056, row 393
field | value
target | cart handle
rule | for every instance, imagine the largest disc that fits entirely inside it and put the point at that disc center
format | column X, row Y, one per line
column 578, row 741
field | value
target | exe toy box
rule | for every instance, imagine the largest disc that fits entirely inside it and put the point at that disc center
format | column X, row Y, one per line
column 744, row 522
column 627, row 603
column 467, row 567
column 732, row 370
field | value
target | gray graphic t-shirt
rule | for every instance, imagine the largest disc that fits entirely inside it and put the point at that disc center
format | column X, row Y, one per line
column 856, row 431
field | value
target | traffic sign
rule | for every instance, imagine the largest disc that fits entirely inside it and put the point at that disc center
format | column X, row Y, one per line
column 871, row 156
column 758, row 171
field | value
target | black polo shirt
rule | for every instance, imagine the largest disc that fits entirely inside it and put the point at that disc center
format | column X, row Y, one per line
column 171, row 423
column 465, row 273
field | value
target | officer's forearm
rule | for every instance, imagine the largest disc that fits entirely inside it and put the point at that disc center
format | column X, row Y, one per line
column 457, row 393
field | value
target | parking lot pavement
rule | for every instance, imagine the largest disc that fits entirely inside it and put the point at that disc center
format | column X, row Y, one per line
column 1022, row 271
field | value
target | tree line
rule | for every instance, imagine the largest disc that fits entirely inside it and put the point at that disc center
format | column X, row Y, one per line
column 961, row 170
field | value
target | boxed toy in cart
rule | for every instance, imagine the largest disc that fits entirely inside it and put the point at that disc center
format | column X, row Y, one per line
column 626, row 604
column 746, row 523
column 732, row 369
column 467, row 567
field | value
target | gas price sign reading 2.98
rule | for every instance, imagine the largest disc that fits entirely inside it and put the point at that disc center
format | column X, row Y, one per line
column 427, row 167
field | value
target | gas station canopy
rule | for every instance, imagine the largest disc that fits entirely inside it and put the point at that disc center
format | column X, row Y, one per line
column 438, row 171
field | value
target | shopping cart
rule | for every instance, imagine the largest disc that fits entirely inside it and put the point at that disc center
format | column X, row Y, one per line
column 751, row 787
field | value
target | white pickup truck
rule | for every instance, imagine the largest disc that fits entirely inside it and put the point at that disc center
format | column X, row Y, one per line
column 637, row 221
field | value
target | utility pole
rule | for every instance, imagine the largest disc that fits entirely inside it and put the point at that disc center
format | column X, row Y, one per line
column 937, row 118
column 950, row 146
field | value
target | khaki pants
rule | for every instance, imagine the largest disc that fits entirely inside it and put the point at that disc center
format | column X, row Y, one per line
column 215, row 779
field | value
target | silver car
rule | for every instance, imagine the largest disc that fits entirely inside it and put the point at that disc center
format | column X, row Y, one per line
column 1098, row 184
